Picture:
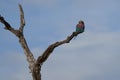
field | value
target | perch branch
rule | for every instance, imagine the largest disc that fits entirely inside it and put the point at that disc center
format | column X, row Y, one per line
column 41, row 59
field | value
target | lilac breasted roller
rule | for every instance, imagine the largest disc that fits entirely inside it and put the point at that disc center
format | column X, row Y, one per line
column 80, row 27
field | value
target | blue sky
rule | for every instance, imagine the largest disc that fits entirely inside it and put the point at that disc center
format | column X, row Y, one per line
column 93, row 55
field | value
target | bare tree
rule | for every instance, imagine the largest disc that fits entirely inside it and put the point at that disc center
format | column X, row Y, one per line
column 34, row 64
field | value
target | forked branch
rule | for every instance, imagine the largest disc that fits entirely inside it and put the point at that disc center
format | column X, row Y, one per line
column 34, row 65
column 20, row 35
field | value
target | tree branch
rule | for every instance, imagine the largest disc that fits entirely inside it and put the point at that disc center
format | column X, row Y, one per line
column 20, row 35
column 41, row 59
column 7, row 25
column 34, row 65
column 22, row 19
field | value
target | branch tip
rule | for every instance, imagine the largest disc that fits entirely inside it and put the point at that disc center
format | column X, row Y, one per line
column 22, row 19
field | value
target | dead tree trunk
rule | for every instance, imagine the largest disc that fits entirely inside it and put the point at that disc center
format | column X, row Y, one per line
column 34, row 64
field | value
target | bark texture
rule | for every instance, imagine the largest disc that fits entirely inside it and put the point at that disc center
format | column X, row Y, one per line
column 34, row 64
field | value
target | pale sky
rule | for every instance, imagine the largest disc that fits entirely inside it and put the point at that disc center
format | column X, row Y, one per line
column 93, row 55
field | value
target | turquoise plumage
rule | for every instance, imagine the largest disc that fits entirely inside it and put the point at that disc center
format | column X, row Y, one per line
column 80, row 27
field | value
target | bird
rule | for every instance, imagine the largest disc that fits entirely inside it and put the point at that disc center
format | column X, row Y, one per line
column 80, row 27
